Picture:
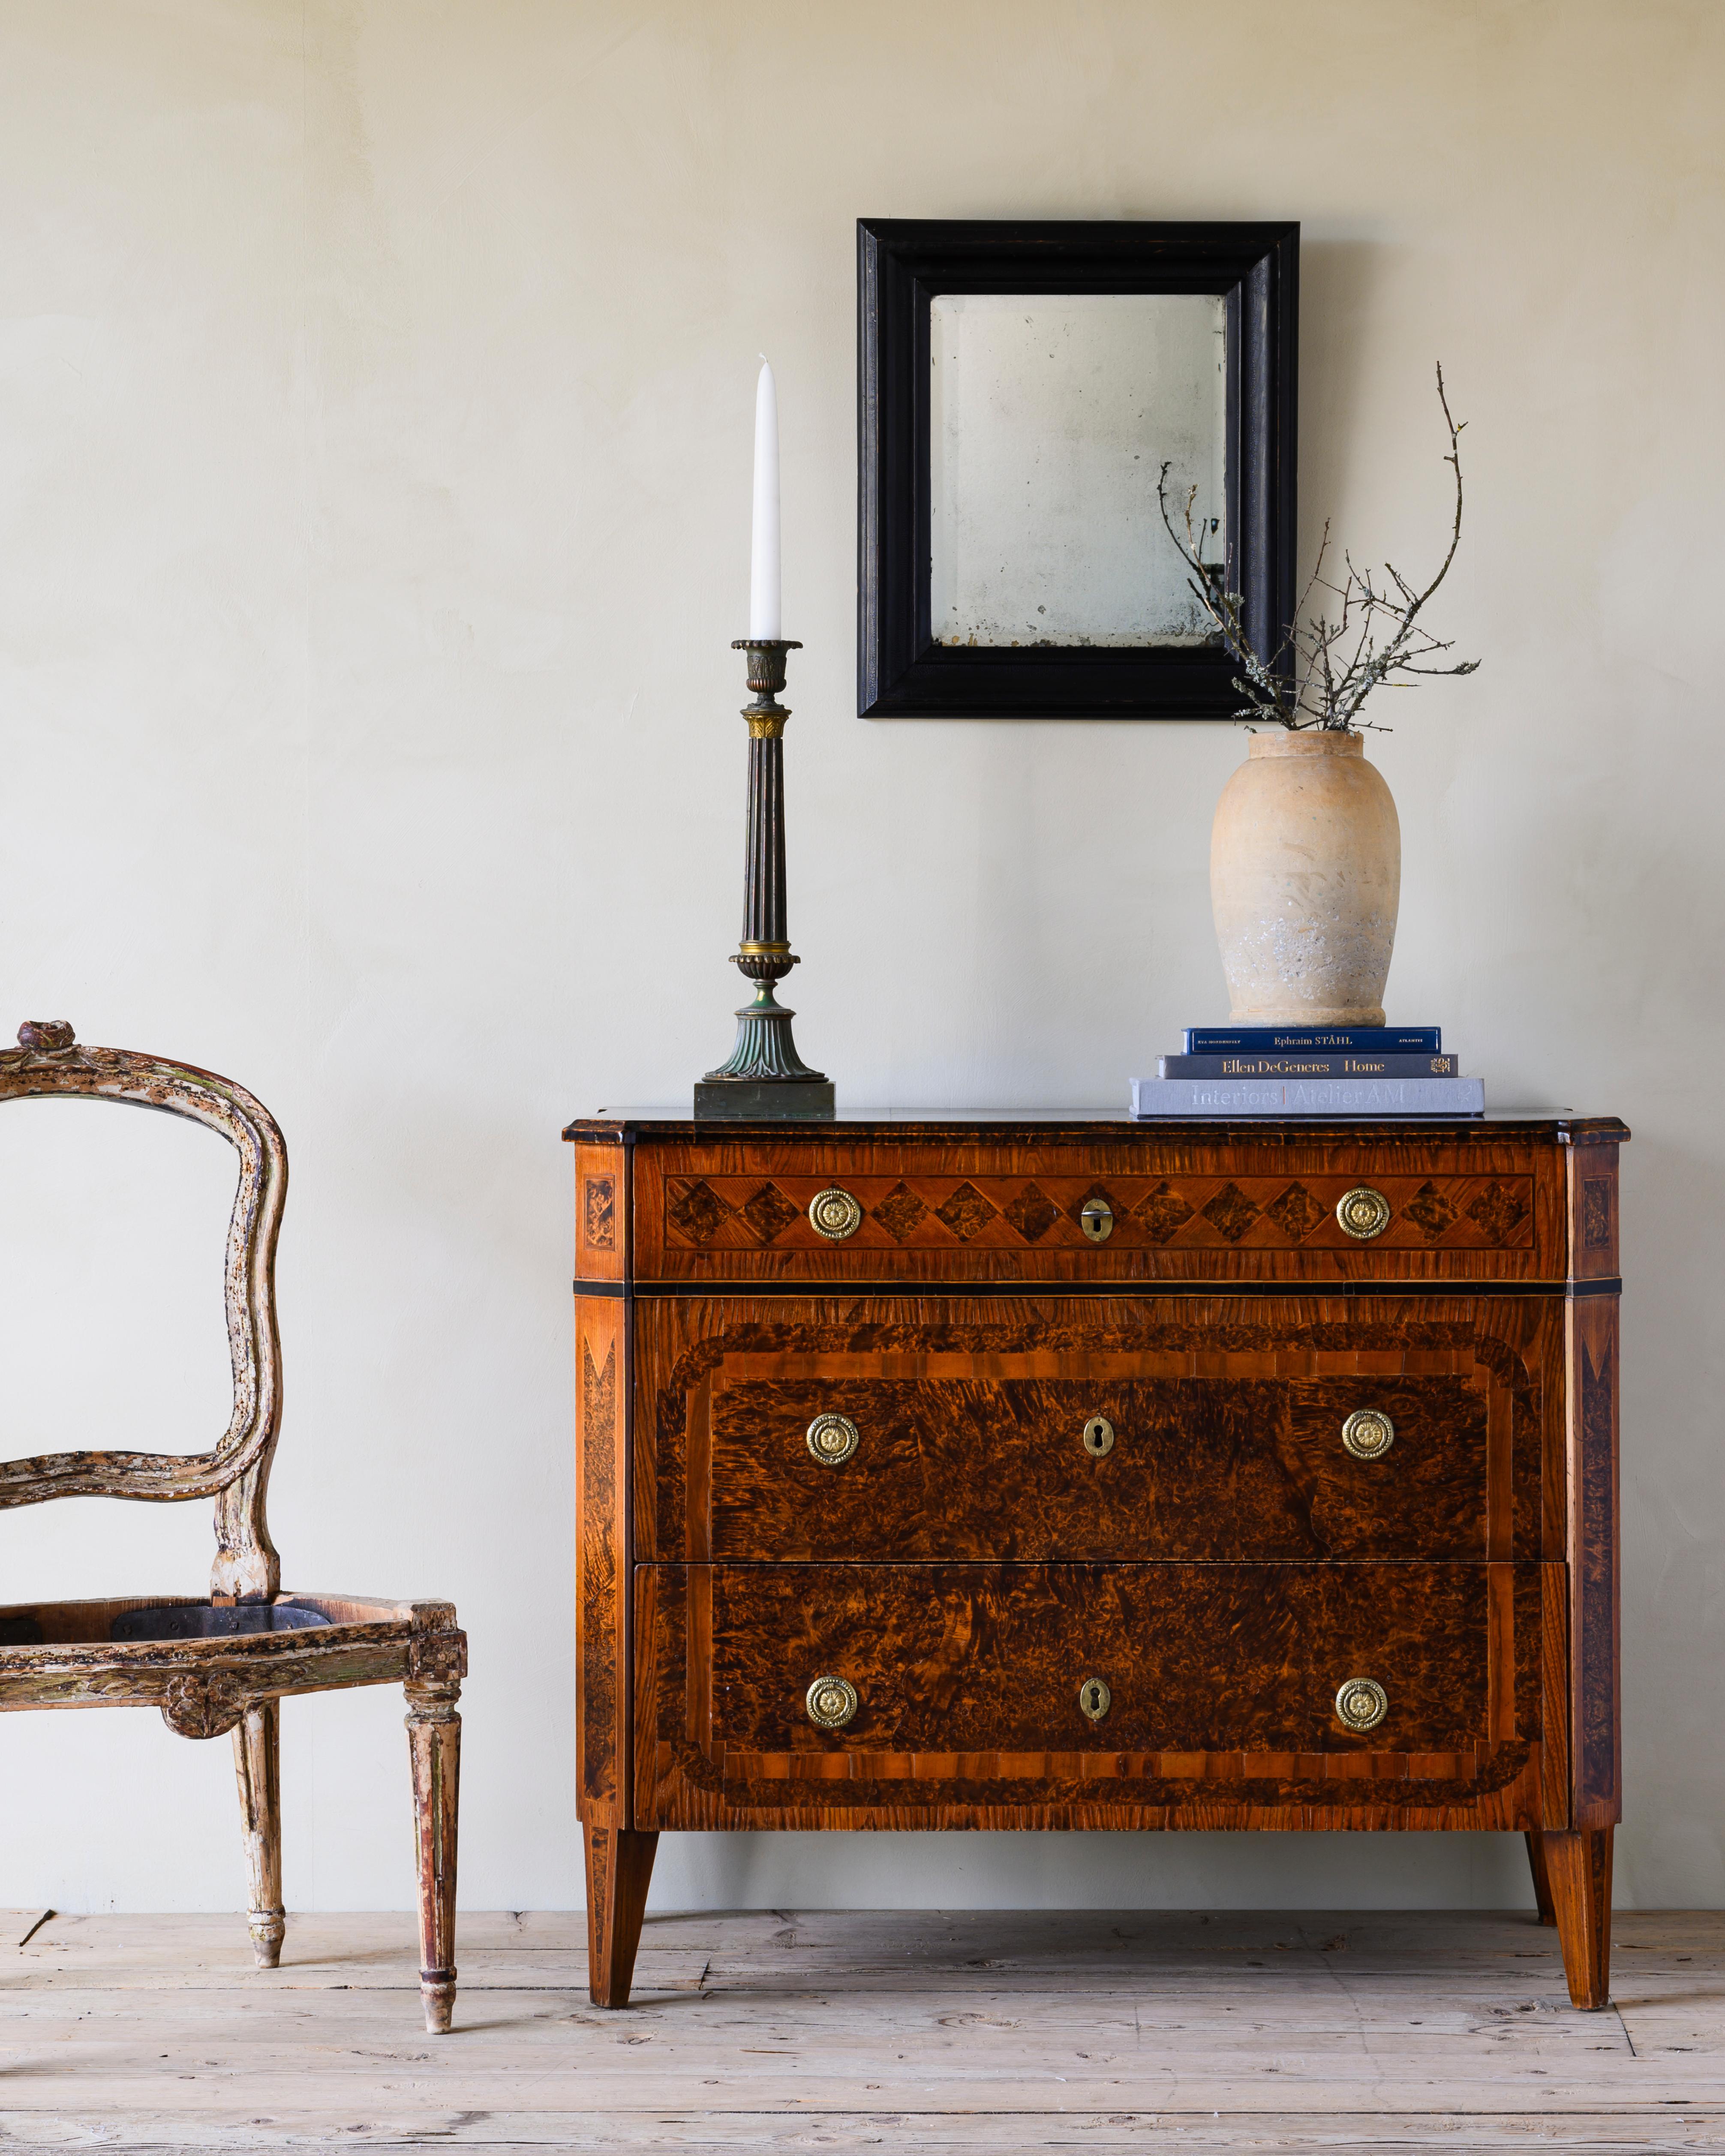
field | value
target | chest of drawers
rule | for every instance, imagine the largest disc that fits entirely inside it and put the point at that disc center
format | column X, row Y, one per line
column 1008, row 1472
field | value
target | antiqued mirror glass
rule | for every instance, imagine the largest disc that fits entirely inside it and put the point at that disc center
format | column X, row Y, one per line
column 1050, row 415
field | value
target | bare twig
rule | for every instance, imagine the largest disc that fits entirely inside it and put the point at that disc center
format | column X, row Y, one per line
column 1325, row 664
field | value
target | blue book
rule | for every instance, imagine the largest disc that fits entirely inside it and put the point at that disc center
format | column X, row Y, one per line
column 1340, row 1040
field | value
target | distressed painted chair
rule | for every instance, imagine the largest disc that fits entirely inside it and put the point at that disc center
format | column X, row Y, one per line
column 226, row 1662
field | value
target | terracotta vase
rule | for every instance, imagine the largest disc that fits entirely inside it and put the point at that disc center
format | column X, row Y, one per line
column 1306, row 873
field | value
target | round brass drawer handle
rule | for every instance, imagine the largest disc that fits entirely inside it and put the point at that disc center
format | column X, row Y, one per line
column 1094, row 1700
column 1369, row 1433
column 831, row 1702
column 833, row 1438
column 1096, row 1219
column 1099, row 1437
column 834, row 1213
column 1363, row 1212
column 1361, row 1704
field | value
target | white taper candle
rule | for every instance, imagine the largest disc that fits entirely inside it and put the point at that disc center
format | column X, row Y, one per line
column 766, row 609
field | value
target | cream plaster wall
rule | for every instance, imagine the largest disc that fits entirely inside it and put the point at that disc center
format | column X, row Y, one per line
column 375, row 387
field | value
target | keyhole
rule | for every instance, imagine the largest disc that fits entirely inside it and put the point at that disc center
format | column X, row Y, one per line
column 1097, row 1220
column 1094, row 1699
column 1099, row 1437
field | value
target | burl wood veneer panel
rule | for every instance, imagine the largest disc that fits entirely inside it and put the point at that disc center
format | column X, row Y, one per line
column 1224, row 1680
column 1227, row 1414
column 1201, row 1469
column 1473, row 1209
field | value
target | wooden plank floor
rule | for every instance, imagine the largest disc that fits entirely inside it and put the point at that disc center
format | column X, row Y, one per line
column 783, row 2032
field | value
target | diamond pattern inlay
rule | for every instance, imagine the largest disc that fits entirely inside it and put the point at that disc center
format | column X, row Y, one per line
column 967, row 1212
column 900, row 1212
column 1163, row 1212
column 1033, row 1213
column 1230, row 1211
column 1296, row 1213
column 1430, row 1211
column 1498, row 1211
column 769, row 1212
column 699, row 1213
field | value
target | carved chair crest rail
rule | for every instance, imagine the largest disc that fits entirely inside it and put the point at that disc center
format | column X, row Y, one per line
column 226, row 1662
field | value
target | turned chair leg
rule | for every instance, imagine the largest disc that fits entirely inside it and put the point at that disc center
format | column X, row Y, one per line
column 434, row 1743
column 1579, row 1867
column 619, row 1865
column 257, row 1763
column 1541, row 1877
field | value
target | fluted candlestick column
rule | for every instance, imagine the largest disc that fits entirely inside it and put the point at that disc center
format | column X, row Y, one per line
column 764, row 1076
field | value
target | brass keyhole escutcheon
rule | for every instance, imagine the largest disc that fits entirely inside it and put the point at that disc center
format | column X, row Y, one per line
column 831, row 1702
column 1369, row 1433
column 833, row 1438
column 1361, row 1704
column 1363, row 1212
column 1094, row 1700
column 1099, row 1437
column 834, row 1213
column 1096, row 1219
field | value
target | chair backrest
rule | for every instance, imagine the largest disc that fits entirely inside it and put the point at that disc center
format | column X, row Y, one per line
column 50, row 1062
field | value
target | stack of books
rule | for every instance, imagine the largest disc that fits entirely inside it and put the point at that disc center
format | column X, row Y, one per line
column 1278, row 1071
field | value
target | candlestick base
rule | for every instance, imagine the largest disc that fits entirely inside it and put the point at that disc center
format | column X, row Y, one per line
column 766, row 1100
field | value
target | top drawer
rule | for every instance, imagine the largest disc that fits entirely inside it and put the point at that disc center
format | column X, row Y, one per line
column 1423, row 1206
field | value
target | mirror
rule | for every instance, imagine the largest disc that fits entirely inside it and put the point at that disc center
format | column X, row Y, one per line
column 1020, row 385
column 1050, row 416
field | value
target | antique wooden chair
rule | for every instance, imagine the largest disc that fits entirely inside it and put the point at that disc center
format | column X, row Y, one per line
column 228, row 1662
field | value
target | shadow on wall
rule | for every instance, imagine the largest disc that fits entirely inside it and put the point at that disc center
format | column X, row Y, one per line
column 1341, row 282
column 1090, row 1870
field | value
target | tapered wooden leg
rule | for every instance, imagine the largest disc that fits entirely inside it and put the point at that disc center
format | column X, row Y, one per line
column 257, row 1763
column 1579, row 1867
column 1542, row 1880
column 434, row 1743
column 619, row 1864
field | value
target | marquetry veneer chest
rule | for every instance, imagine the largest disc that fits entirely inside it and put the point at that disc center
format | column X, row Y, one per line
column 1019, row 1472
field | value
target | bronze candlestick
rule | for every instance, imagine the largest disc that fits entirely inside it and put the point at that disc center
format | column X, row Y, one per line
column 763, row 1075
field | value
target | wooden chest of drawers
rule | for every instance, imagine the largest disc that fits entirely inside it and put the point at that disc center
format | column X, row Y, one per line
column 1038, row 1472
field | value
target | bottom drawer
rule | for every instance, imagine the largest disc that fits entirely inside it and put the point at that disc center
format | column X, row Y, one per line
column 1035, row 1690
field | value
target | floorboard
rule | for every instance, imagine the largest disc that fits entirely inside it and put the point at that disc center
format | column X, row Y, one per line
column 783, row 2031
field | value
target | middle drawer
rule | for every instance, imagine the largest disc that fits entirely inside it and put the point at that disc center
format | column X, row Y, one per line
column 1190, row 1468
column 1171, row 1428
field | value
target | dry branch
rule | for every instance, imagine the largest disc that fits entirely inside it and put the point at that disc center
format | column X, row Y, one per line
column 1329, row 659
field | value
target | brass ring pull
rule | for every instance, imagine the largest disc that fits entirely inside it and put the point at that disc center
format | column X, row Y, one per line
column 831, row 1702
column 1369, row 1433
column 1098, row 1437
column 834, row 1213
column 1363, row 1212
column 1094, row 1700
column 1361, row 1704
column 1096, row 1219
column 833, row 1438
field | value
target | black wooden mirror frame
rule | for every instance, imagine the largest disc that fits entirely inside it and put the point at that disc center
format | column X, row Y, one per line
column 901, row 264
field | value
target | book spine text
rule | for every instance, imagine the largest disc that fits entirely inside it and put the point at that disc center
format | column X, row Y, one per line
column 1308, row 1096
column 1306, row 1066
column 1320, row 1040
